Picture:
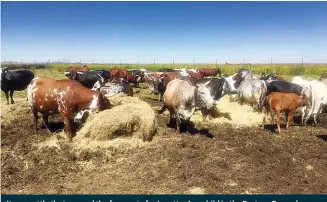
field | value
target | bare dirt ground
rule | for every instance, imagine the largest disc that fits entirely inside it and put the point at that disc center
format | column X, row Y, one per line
column 218, row 157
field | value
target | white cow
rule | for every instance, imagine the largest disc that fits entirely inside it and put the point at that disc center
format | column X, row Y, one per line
column 316, row 91
column 319, row 98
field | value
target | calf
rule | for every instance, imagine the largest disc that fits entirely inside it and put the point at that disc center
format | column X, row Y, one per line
column 68, row 97
column 14, row 81
column 279, row 102
column 182, row 98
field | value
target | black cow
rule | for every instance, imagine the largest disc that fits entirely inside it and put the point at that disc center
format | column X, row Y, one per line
column 88, row 79
column 167, row 70
column 14, row 81
column 283, row 87
column 138, row 76
column 269, row 77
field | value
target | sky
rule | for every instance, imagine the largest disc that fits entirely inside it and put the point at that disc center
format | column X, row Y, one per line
column 160, row 32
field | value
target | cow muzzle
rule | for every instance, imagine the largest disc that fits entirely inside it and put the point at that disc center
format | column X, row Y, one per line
column 81, row 116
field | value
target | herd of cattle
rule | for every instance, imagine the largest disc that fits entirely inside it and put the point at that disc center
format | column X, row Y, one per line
column 182, row 92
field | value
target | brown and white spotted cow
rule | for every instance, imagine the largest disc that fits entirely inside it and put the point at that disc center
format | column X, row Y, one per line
column 68, row 97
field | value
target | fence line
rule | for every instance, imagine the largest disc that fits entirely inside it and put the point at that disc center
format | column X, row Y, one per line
column 295, row 68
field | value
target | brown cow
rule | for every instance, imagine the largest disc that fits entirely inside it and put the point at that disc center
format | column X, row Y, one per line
column 76, row 69
column 160, row 84
column 118, row 74
column 68, row 97
column 196, row 75
column 279, row 102
column 210, row 72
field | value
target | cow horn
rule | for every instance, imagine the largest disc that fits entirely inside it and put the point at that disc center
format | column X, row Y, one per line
column 80, row 72
column 101, row 78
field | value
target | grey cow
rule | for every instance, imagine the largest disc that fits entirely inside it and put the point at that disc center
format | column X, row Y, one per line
column 181, row 98
column 252, row 91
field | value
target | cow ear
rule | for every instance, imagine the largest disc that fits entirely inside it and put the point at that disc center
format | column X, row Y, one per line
column 207, row 83
column 162, row 77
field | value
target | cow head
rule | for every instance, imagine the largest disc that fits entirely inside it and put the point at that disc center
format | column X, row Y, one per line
column 204, row 99
column 159, row 84
column 323, row 77
column 304, row 101
column 3, row 71
column 72, row 75
column 98, row 103
column 264, row 74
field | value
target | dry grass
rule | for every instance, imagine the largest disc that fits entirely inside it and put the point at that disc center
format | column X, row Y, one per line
column 132, row 117
column 233, row 113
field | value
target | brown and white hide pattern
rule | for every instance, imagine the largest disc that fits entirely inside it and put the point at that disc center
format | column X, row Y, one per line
column 71, row 99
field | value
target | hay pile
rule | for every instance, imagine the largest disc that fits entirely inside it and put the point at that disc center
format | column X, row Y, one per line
column 233, row 113
column 129, row 117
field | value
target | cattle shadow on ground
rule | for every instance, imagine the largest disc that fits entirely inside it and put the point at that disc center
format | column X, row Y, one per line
column 323, row 137
column 58, row 126
column 152, row 99
column 226, row 115
column 273, row 127
column 215, row 113
column 55, row 126
column 190, row 128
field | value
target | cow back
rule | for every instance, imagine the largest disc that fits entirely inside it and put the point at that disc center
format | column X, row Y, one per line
column 16, row 80
column 283, row 87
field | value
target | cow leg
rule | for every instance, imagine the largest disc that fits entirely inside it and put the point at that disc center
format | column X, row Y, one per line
column 68, row 128
column 278, row 120
column 204, row 114
column 289, row 119
column 171, row 116
column 7, row 97
column 303, row 120
column 45, row 118
column 264, row 119
column 178, row 123
column 160, row 97
column 286, row 116
column 11, row 96
column 35, row 117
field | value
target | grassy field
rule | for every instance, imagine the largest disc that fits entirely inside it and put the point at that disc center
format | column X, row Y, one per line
column 288, row 71
column 281, row 69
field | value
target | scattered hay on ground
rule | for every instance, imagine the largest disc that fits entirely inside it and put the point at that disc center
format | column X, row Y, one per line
column 124, row 127
column 132, row 117
column 20, row 108
column 196, row 190
column 232, row 112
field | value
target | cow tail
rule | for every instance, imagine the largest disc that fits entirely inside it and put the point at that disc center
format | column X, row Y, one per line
column 263, row 95
column 312, row 103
